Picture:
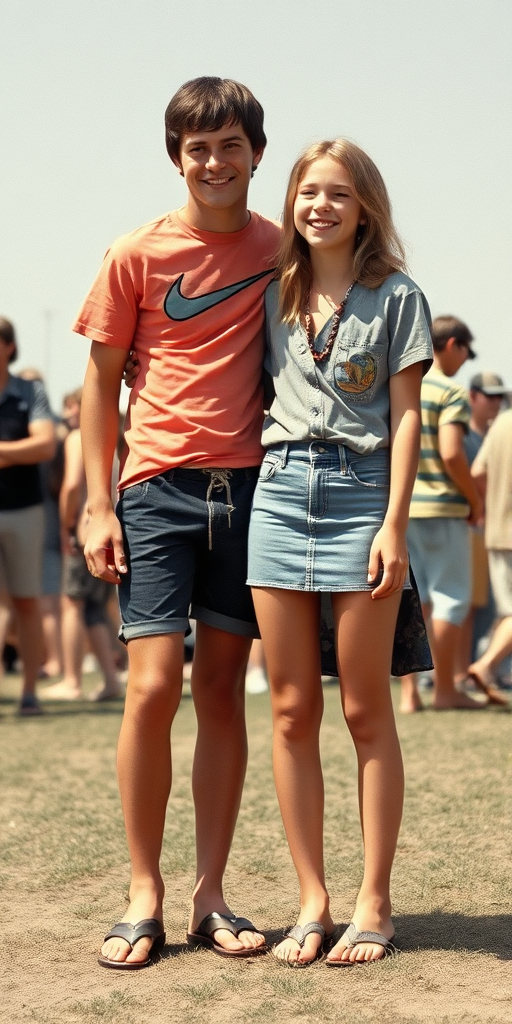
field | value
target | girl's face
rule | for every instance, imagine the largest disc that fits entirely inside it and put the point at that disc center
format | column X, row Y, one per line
column 326, row 211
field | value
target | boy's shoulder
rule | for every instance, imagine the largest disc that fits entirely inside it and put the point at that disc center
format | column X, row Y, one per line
column 274, row 227
column 146, row 237
column 161, row 235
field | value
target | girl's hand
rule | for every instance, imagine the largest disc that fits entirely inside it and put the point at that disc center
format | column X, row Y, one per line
column 388, row 559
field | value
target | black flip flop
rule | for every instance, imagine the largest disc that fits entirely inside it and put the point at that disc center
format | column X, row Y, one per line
column 131, row 933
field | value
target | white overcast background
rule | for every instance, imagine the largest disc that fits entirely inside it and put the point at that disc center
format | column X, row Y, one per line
column 423, row 85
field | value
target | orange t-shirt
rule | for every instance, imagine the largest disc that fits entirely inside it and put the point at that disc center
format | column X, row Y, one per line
column 191, row 305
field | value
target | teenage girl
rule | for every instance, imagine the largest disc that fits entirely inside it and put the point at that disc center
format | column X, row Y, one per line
column 348, row 342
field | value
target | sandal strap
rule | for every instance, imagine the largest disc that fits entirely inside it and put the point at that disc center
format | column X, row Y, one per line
column 352, row 937
column 300, row 933
column 131, row 933
column 235, row 925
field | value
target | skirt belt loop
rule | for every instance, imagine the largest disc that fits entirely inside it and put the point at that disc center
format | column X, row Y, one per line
column 343, row 459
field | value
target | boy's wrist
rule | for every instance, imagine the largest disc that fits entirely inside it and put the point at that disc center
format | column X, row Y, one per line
column 100, row 506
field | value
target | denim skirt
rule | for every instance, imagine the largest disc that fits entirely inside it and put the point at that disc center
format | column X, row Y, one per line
column 316, row 509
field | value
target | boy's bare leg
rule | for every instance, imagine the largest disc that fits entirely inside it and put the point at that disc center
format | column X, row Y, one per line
column 498, row 649
column 444, row 640
column 51, row 616
column 101, row 645
column 70, row 687
column 410, row 700
column 144, row 772
column 218, row 689
column 30, row 639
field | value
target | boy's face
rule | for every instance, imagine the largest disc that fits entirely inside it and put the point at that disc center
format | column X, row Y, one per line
column 217, row 168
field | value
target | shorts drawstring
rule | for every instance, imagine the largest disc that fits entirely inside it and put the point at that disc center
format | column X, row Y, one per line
column 219, row 480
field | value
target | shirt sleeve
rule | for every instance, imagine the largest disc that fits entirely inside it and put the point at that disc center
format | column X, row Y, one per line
column 409, row 324
column 455, row 407
column 110, row 311
column 38, row 404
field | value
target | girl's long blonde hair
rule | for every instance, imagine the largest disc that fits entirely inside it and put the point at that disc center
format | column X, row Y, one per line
column 378, row 252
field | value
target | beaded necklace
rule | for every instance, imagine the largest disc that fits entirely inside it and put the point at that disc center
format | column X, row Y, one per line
column 319, row 356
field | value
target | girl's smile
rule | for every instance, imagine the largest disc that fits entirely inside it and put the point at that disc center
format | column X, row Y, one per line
column 326, row 209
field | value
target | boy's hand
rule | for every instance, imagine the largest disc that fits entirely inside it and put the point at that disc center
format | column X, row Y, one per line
column 131, row 369
column 104, row 552
column 388, row 559
column 476, row 511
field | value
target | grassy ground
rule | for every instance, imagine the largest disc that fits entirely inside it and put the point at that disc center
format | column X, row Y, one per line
column 64, row 874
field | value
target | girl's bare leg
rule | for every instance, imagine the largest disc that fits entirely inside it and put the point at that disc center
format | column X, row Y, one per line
column 144, row 772
column 289, row 625
column 365, row 630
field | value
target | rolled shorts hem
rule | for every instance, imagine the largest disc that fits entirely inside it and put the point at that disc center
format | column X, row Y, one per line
column 135, row 630
column 224, row 622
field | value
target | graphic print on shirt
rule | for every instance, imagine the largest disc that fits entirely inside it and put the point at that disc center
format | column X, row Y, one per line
column 356, row 375
column 179, row 307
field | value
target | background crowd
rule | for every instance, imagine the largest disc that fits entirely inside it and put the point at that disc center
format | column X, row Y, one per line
column 53, row 613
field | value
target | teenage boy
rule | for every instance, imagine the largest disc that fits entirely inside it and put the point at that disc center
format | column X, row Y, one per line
column 186, row 293
column 445, row 500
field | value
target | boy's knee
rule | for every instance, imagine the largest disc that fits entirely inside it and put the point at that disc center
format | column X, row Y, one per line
column 153, row 694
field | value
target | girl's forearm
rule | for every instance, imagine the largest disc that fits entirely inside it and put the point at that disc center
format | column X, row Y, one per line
column 404, row 443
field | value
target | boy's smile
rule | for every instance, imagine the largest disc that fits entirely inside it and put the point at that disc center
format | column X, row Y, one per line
column 217, row 167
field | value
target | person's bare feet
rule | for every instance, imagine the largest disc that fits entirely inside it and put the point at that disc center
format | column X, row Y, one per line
column 289, row 949
column 224, row 938
column 61, row 691
column 457, row 701
column 364, row 920
column 484, row 679
column 107, row 692
column 50, row 669
column 410, row 703
column 145, row 905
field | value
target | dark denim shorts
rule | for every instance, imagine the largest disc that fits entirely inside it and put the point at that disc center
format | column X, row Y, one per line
column 185, row 534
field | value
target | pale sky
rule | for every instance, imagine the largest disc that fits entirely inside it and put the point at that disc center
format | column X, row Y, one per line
column 425, row 86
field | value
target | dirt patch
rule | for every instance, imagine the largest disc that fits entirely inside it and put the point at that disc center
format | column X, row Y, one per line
column 64, row 876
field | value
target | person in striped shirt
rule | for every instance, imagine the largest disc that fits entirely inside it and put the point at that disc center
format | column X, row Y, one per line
column 445, row 502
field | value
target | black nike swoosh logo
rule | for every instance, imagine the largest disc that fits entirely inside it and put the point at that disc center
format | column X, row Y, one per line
column 178, row 307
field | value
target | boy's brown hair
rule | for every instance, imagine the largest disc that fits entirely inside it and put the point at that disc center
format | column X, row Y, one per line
column 8, row 335
column 208, row 104
column 446, row 327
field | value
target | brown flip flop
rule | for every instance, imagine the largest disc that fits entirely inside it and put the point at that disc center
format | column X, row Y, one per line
column 493, row 694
